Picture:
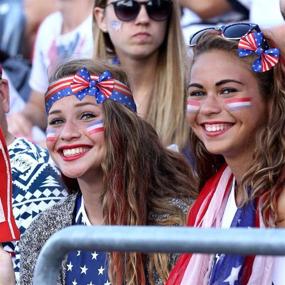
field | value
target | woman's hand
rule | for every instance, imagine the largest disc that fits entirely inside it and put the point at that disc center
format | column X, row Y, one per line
column 7, row 275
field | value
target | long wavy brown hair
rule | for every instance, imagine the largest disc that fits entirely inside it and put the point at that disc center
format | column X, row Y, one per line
column 167, row 104
column 144, row 183
column 265, row 175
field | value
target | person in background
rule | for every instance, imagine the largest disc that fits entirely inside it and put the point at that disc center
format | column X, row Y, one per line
column 64, row 34
column 36, row 182
column 236, row 107
column 145, row 38
column 119, row 172
column 202, row 14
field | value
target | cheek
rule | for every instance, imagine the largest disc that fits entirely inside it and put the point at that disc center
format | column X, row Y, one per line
column 193, row 107
column 236, row 104
column 51, row 137
column 95, row 128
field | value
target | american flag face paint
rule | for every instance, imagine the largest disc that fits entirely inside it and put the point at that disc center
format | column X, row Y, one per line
column 193, row 106
column 51, row 135
column 96, row 127
column 235, row 104
column 116, row 25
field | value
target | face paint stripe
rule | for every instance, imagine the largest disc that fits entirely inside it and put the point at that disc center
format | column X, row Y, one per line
column 233, row 100
column 51, row 135
column 238, row 103
column 96, row 127
column 193, row 105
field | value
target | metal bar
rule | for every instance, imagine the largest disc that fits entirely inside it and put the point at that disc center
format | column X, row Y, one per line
column 154, row 239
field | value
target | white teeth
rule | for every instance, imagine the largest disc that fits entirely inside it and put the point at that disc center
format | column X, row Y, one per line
column 73, row 151
column 216, row 127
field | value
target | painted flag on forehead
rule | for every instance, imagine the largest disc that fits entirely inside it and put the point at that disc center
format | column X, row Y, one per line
column 8, row 228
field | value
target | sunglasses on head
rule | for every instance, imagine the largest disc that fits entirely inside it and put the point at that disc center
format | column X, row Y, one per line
column 128, row 10
column 231, row 32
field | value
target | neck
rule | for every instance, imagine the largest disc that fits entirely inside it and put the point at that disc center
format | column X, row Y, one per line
column 91, row 191
column 239, row 167
column 74, row 13
column 9, row 138
column 141, row 75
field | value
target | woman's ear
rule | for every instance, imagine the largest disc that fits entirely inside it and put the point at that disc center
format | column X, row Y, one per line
column 99, row 15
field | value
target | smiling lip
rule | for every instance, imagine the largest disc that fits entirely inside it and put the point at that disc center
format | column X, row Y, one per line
column 214, row 129
column 73, row 152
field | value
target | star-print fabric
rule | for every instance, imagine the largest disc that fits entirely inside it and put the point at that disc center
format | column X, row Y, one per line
column 86, row 267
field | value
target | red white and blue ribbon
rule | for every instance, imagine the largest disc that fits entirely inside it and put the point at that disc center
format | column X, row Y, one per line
column 253, row 43
column 102, row 87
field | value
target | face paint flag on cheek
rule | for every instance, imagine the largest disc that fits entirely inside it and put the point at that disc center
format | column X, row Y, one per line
column 193, row 106
column 51, row 135
column 96, row 127
column 116, row 25
column 8, row 228
column 235, row 104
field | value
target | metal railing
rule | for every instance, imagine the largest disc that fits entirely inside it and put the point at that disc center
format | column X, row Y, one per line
column 154, row 239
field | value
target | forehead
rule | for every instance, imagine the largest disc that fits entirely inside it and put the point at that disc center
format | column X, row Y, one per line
column 218, row 65
column 71, row 103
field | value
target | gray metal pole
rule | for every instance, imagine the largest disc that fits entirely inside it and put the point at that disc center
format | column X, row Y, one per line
column 154, row 239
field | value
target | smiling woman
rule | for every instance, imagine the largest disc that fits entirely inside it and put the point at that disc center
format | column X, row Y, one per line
column 236, row 107
column 120, row 172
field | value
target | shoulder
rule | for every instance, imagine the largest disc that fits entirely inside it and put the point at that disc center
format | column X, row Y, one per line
column 50, row 21
column 49, row 222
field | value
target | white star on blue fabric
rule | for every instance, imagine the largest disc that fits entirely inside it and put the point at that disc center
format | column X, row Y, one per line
column 233, row 276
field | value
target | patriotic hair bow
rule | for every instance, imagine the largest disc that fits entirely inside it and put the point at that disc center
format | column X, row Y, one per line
column 102, row 87
column 252, row 43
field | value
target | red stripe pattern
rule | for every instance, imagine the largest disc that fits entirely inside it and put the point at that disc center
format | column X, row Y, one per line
column 255, row 43
column 102, row 87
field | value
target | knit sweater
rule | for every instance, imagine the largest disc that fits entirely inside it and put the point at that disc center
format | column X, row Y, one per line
column 47, row 223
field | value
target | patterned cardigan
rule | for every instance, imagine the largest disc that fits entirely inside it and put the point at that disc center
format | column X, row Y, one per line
column 47, row 223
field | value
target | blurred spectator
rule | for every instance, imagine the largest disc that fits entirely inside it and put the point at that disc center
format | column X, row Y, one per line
column 36, row 182
column 201, row 14
column 62, row 35
column 19, row 21
column 197, row 15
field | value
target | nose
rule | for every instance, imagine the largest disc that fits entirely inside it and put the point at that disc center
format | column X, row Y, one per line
column 143, row 17
column 211, row 105
column 70, row 131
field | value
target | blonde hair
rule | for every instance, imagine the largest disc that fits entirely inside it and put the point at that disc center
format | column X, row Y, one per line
column 166, row 111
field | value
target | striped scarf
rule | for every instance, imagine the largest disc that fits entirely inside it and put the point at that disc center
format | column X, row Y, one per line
column 207, row 211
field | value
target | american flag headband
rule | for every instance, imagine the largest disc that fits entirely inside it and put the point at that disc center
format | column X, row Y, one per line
column 81, row 84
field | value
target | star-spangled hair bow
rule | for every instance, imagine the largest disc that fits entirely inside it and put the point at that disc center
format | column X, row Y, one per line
column 252, row 44
column 81, row 84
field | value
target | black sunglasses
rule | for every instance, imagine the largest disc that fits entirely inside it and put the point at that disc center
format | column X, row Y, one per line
column 231, row 32
column 128, row 10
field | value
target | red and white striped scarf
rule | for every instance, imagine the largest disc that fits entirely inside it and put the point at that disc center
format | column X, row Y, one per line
column 207, row 211
column 8, row 228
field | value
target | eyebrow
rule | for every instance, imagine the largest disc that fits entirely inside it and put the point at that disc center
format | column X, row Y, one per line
column 79, row 104
column 224, row 81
